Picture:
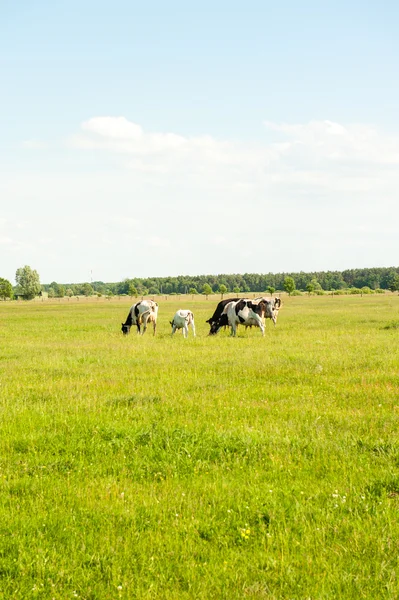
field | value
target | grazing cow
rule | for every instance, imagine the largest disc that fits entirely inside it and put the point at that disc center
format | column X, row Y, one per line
column 181, row 320
column 270, row 314
column 243, row 312
column 141, row 313
column 219, row 310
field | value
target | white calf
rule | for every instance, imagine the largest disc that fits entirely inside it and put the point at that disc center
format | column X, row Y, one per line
column 181, row 320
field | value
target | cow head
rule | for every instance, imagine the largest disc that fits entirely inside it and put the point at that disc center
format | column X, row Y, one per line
column 125, row 329
column 268, row 308
column 217, row 325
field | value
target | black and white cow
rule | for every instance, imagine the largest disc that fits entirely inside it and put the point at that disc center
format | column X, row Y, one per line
column 141, row 313
column 181, row 320
column 270, row 314
column 242, row 312
column 219, row 310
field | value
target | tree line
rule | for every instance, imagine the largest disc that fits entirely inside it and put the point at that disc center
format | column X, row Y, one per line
column 28, row 283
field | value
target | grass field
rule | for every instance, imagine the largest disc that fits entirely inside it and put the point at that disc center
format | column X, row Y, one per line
column 160, row 468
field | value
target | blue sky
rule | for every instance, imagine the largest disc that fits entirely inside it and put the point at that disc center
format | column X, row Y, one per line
column 145, row 139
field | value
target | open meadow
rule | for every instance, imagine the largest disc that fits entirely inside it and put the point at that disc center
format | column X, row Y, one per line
column 207, row 468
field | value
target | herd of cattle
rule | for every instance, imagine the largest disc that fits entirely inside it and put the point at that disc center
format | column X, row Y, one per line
column 228, row 313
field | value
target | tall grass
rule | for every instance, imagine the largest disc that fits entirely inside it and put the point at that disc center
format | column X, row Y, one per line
column 142, row 467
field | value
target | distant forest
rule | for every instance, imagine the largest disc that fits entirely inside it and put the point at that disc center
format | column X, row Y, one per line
column 369, row 279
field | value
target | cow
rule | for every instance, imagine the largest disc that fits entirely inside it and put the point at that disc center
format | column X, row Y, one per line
column 275, row 307
column 270, row 314
column 219, row 310
column 181, row 320
column 141, row 313
column 242, row 312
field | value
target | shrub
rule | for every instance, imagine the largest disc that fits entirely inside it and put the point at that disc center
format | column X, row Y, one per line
column 392, row 325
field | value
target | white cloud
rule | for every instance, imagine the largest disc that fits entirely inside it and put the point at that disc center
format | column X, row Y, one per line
column 34, row 145
column 329, row 140
column 158, row 242
column 120, row 135
column 113, row 128
column 161, row 203
column 6, row 241
column 165, row 153
column 319, row 155
column 124, row 223
column 219, row 240
column 140, row 165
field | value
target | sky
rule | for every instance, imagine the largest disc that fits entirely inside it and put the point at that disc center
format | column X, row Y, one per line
column 155, row 139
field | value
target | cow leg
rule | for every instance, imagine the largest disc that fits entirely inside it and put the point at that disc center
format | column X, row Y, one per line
column 193, row 327
column 155, row 327
column 185, row 330
column 145, row 320
column 260, row 324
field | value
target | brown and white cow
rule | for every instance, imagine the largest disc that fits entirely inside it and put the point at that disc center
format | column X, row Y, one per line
column 275, row 304
column 141, row 313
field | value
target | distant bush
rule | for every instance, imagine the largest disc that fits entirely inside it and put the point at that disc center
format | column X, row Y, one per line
column 296, row 293
column 353, row 291
column 339, row 292
column 379, row 291
column 366, row 290
column 392, row 325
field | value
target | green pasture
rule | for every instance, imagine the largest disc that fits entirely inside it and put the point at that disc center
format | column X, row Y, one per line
column 207, row 468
